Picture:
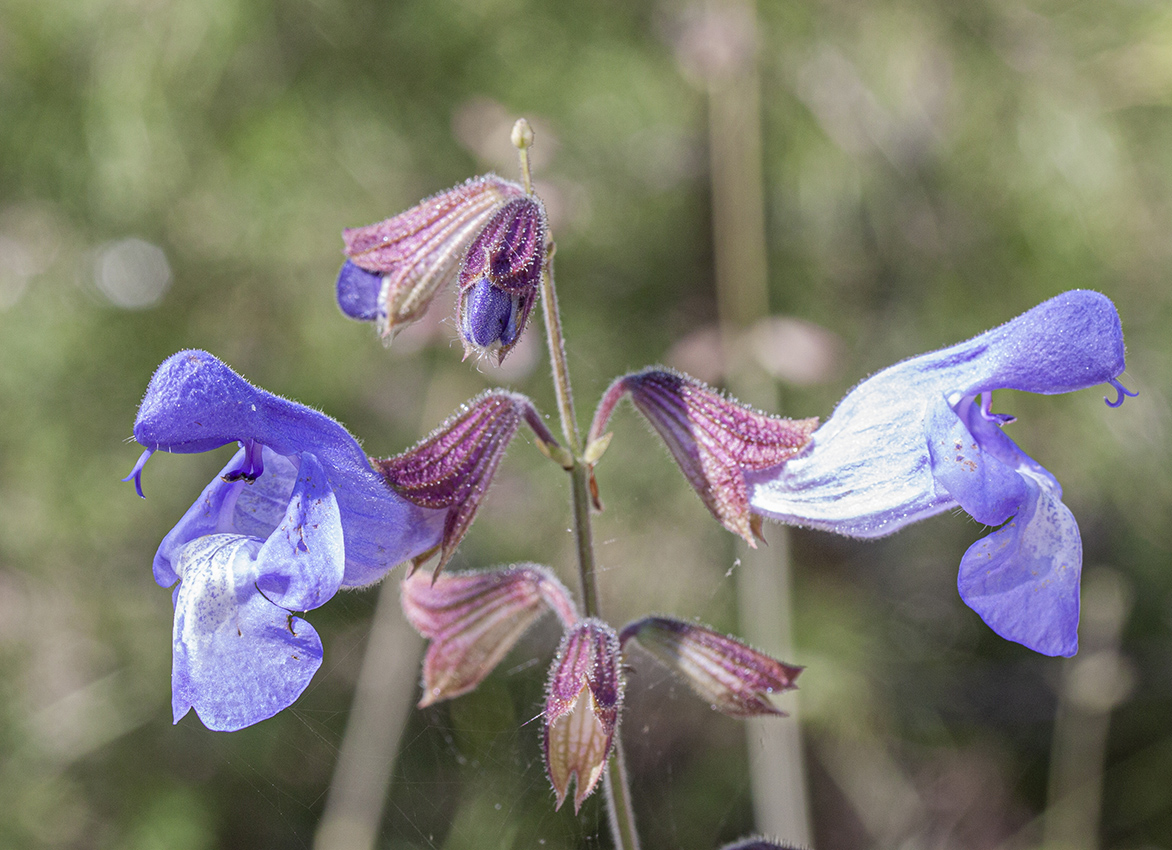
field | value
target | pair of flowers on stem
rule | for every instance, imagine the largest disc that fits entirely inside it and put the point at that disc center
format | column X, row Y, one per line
column 300, row 511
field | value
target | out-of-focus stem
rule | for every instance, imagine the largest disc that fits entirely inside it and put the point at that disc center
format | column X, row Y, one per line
column 776, row 763
column 358, row 790
column 1093, row 683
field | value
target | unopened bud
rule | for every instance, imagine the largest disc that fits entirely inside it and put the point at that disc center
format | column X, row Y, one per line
column 731, row 676
column 473, row 619
column 522, row 134
column 500, row 278
column 395, row 268
column 714, row 439
column 582, row 709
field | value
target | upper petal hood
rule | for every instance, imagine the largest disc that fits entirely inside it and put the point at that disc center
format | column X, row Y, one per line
column 195, row 403
column 869, row 470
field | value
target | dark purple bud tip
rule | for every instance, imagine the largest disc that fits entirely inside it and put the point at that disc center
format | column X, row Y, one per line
column 358, row 292
column 1121, row 392
column 490, row 316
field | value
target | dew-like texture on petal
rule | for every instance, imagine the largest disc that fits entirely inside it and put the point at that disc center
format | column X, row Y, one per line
column 358, row 292
column 1024, row 578
column 196, row 403
column 865, row 473
column 1072, row 341
column 237, row 658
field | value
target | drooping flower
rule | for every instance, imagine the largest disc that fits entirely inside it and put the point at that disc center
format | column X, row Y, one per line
column 731, row 676
column 919, row 438
column 714, row 439
column 500, row 278
column 297, row 513
column 450, row 469
column 395, row 268
column 582, row 705
column 473, row 619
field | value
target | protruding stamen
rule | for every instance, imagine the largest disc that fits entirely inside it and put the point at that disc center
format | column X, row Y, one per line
column 252, row 465
column 136, row 473
column 987, row 412
column 1121, row 392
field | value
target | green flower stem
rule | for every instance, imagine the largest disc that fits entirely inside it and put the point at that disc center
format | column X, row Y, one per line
column 618, row 791
column 557, row 355
column 618, row 800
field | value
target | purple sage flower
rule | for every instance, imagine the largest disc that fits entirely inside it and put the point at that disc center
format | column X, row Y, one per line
column 731, row 676
column 450, row 470
column 582, row 705
column 500, row 278
column 297, row 513
column 473, row 619
column 395, row 268
column 919, row 438
column 714, row 439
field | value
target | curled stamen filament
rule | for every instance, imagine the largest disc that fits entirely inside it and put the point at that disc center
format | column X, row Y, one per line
column 1121, row 392
column 136, row 473
column 987, row 411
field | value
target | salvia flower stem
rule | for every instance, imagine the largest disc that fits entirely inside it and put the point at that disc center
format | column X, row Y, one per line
column 617, row 786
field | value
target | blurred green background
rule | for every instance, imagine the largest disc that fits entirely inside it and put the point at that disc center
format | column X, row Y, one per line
column 176, row 174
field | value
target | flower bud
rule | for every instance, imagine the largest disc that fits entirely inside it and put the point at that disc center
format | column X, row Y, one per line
column 395, row 268
column 714, row 439
column 732, row 677
column 582, row 705
column 500, row 278
column 452, row 467
column 473, row 619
